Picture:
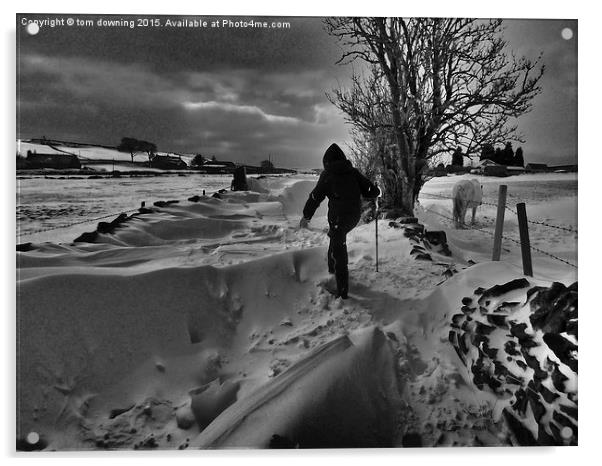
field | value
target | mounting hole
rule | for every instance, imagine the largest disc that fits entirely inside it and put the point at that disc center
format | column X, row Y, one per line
column 32, row 29
column 567, row 33
column 566, row 433
column 33, row 437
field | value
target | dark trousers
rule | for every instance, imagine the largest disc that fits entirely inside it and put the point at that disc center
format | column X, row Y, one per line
column 337, row 250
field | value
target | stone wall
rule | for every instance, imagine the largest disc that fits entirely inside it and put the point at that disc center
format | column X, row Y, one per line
column 520, row 342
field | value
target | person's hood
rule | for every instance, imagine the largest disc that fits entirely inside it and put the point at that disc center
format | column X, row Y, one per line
column 334, row 160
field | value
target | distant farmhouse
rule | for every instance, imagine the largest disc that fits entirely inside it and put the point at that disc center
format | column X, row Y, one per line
column 168, row 162
column 58, row 161
column 488, row 167
column 217, row 167
column 542, row 167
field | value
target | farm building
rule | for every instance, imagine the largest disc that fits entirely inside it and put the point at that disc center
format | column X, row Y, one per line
column 495, row 170
column 215, row 166
column 168, row 162
column 490, row 168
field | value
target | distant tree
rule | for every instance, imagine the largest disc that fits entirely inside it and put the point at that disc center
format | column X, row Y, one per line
column 519, row 161
column 507, row 154
column 487, row 151
column 198, row 160
column 130, row 145
column 149, row 147
column 213, row 159
column 266, row 165
column 458, row 158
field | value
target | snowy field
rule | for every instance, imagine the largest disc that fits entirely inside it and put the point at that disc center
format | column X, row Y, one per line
column 45, row 203
column 209, row 324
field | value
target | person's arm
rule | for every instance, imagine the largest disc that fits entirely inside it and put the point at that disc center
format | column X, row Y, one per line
column 315, row 198
column 368, row 189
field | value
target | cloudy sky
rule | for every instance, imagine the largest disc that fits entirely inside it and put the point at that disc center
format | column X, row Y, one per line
column 239, row 94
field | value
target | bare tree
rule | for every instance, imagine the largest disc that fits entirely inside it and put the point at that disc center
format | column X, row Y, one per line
column 129, row 145
column 133, row 145
column 431, row 85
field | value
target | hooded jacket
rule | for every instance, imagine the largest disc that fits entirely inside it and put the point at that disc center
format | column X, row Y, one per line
column 344, row 186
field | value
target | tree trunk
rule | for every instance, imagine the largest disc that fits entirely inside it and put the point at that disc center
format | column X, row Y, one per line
column 407, row 200
column 397, row 194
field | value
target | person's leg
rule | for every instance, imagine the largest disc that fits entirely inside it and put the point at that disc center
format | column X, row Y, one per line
column 338, row 245
column 339, row 259
column 329, row 256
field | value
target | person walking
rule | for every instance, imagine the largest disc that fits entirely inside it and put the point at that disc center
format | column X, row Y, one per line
column 344, row 186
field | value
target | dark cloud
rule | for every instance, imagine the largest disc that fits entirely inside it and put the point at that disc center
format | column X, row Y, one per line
column 244, row 115
column 168, row 50
column 550, row 129
column 240, row 94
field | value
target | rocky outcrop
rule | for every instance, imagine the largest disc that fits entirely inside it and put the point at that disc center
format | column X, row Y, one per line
column 521, row 344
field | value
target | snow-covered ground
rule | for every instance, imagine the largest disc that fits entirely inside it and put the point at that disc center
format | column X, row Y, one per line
column 210, row 324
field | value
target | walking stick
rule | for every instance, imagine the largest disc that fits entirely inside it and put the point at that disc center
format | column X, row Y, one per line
column 376, row 228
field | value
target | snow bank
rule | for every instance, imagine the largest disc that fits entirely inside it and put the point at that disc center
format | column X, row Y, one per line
column 256, row 185
column 208, row 219
column 326, row 400
column 294, row 197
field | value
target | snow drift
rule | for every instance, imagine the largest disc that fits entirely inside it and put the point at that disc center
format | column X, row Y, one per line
column 326, row 400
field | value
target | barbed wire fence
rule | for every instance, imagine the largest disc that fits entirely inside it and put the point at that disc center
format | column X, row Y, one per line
column 510, row 209
column 472, row 227
column 79, row 222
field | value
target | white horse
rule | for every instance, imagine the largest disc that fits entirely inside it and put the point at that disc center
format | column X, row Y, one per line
column 466, row 193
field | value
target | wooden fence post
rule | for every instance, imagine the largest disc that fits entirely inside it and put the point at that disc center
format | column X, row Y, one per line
column 499, row 223
column 525, row 245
